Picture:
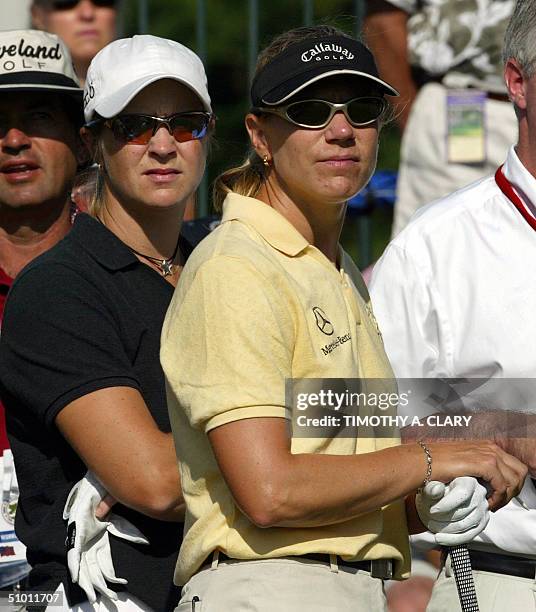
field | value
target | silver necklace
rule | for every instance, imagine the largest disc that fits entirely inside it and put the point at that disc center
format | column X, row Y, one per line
column 165, row 266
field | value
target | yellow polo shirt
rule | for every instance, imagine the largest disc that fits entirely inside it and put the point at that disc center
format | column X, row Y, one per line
column 241, row 322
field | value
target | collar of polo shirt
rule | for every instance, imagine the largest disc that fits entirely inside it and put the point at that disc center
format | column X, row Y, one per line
column 270, row 224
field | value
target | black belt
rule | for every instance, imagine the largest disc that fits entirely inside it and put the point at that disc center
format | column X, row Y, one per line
column 325, row 558
column 382, row 568
column 502, row 564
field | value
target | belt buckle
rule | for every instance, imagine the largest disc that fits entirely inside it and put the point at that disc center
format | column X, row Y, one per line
column 381, row 568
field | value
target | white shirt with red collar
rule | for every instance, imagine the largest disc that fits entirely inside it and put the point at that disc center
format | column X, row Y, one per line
column 455, row 296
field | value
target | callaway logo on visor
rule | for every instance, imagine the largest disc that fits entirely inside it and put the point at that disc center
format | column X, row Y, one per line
column 327, row 51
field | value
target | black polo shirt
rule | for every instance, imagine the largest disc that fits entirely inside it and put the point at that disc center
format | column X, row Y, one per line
column 84, row 316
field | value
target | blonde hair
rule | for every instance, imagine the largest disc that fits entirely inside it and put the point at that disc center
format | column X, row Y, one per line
column 96, row 203
column 247, row 179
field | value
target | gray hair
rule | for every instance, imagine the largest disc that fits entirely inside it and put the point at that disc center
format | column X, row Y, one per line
column 520, row 36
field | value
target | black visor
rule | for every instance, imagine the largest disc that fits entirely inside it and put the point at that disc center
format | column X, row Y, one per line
column 304, row 63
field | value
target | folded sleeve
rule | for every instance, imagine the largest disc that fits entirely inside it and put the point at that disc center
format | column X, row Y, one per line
column 59, row 342
column 227, row 345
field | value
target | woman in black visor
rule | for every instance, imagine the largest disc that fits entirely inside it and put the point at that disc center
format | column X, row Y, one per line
column 285, row 511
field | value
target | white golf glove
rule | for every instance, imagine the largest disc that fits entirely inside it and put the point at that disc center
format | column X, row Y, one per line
column 456, row 513
column 89, row 556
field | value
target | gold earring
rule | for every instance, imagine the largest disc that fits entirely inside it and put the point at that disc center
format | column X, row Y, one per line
column 266, row 161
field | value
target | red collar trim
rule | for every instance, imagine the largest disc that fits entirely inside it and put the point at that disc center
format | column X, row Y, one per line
column 5, row 279
column 506, row 187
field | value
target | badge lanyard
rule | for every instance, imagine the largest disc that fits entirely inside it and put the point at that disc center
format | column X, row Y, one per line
column 506, row 187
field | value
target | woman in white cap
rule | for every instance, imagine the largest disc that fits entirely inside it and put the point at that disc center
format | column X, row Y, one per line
column 316, row 519
column 81, row 375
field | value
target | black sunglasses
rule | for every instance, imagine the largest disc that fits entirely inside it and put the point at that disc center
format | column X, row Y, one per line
column 139, row 128
column 316, row 114
column 65, row 5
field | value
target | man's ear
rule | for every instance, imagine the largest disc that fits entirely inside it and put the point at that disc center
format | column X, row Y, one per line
column 257, row 135
column 516, row 82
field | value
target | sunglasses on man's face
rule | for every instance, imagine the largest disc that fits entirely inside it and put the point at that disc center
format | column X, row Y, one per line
column 139, row 128
column 316, row 114
column 65, row 5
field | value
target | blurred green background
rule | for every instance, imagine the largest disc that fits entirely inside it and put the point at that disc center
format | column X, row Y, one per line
column 227, row 64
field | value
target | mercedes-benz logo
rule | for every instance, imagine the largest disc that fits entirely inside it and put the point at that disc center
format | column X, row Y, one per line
column 322, row 322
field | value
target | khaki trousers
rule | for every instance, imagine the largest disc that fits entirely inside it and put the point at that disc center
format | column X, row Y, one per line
column 495, row 592
column 282, row 585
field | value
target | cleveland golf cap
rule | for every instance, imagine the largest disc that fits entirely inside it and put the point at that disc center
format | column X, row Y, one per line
column 126, row 66
column 306, row 62
column 32, row 60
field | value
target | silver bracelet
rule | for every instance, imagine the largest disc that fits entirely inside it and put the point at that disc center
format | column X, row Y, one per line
column 428, row 476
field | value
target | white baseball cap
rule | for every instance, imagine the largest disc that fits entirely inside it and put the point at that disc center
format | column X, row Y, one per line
column 126, row 66
column 32, row 60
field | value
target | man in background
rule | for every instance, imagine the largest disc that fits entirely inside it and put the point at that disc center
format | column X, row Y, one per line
column 86, row 26
column 40, row 117
column 455, row 296
column 444, row 56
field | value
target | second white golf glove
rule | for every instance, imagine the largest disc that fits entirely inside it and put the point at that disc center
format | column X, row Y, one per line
column 456, row 513
column 89, row 555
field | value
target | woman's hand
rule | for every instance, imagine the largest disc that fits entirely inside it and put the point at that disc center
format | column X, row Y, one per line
column 503, row 473
column 105, row 505
column 456, row 513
